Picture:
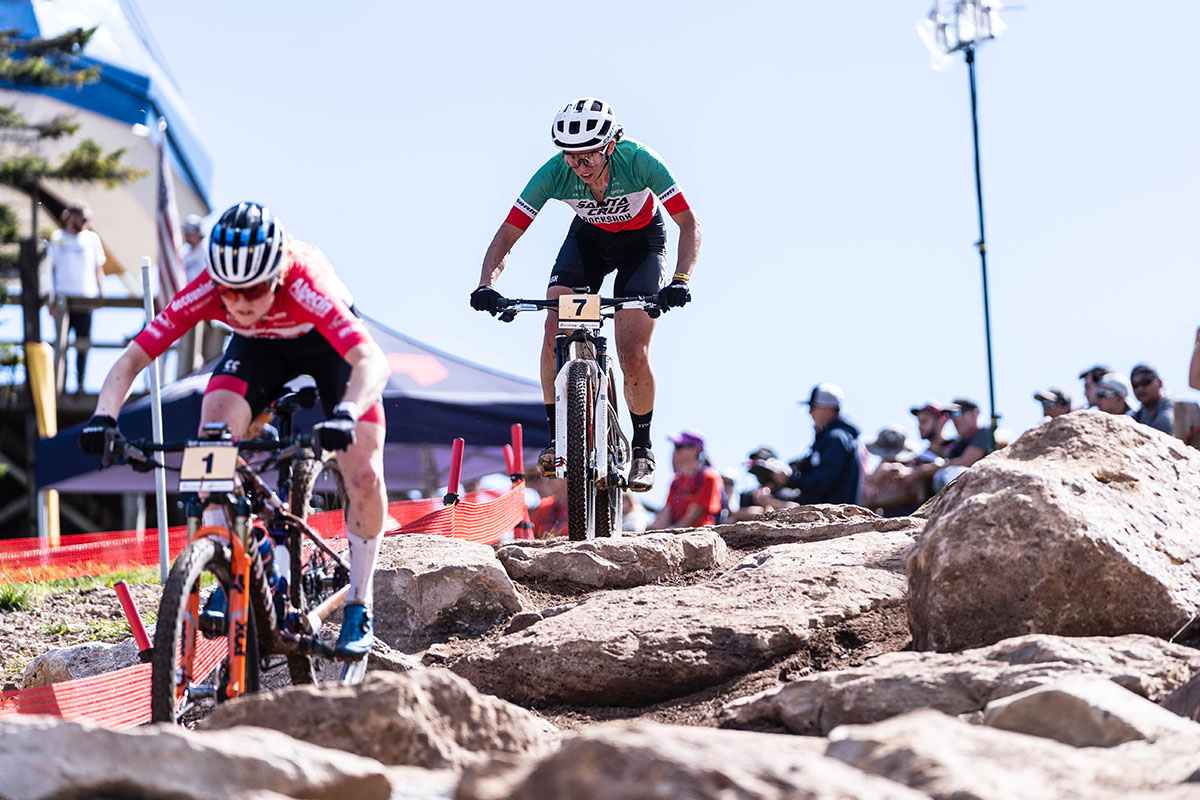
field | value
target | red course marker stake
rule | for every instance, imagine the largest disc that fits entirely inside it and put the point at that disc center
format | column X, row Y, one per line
column 131, row 614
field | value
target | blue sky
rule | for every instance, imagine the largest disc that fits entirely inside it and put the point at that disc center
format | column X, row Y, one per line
column 830, row 166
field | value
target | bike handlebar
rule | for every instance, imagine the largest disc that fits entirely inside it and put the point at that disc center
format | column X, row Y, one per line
column 609, row 306
column 137, row 452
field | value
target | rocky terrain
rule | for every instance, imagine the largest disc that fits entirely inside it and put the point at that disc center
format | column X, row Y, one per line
column 1028, row 635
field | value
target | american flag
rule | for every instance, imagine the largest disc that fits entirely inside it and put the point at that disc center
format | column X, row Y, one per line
column 170, row 260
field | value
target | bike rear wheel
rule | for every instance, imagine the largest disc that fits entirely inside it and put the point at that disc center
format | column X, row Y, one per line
column 319, row 575
column 581, row 477
column 175, row 663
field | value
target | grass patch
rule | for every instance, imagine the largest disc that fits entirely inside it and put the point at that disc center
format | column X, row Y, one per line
column 17, row 597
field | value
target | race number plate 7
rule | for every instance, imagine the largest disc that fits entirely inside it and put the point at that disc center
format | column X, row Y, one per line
column 208, row 467
column 579, row 311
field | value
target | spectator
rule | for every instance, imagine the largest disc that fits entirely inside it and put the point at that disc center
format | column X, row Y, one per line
column 193, row 235
column 1090, row 377
column 832, row 470
column 1112, row 394
column 973, row 442
column 885, row 489
column 1158, row 410
column 1055, row 402
column 729, row 496
column 771, row 474
column 695, row 495
column 549, row 516
column 634, row 516
column 931, row 422
column 77, row 260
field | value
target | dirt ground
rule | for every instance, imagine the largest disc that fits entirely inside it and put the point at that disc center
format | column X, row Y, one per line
column 95, row 615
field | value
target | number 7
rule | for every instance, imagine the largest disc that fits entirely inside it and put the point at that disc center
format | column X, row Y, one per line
column 581, row 302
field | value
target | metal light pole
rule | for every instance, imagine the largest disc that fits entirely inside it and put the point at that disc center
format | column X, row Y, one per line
column 964, row 25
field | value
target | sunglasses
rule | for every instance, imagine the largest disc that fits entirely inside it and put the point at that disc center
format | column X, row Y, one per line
column 1145, row 383
column 592, row 159
column 251, row 293
column 1102, row 393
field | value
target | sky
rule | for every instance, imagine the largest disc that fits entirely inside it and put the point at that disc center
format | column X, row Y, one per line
column 830, row 166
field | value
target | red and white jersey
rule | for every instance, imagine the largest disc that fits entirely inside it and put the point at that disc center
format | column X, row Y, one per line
column 311, row 296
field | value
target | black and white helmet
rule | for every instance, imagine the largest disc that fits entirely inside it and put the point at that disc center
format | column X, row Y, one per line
column 584, row 124
column 246, row 246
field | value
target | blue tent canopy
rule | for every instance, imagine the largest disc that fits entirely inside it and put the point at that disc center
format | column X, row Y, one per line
column 135, row 85
column 431, row 398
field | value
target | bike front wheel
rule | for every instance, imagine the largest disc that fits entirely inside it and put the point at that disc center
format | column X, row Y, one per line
column 181, row 657
column 581, row 477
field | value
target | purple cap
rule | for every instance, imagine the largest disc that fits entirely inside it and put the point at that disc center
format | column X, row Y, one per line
column 687, row 439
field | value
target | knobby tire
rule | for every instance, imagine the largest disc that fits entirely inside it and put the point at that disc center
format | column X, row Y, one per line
column 581, row 485
column 305, row 473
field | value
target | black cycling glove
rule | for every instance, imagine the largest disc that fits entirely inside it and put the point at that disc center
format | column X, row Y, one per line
column 95, row 435
column 335, row 433
column 675, row 295
column 485, row 298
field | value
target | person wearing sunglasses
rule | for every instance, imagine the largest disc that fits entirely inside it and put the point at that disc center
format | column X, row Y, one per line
column 1111, row 394
column 1157, row 410
column 611, row 183
column 290, row 316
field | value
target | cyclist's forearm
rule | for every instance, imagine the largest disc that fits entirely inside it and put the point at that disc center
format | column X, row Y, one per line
column 369, row 372
column 690, row 235
column 496, row 257
column 119, row 380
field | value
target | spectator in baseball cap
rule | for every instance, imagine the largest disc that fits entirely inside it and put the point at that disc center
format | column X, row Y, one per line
column 1112, row 394
column 1055, row 402
column 771, row 473
column 1090, row 377
column 695, row 495
column 1158, row 410
column 831, row 472
column 973, row 442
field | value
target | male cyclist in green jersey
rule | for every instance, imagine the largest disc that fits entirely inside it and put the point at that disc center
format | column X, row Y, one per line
column 611, row 183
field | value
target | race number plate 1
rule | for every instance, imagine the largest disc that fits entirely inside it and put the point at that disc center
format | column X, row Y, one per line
column 578, row 311
column 208, row 467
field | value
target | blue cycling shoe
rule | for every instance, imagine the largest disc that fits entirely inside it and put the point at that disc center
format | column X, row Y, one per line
column 358, row 632
column 213, row 619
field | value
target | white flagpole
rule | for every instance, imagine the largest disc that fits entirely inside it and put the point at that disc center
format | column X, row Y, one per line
column 156, row 429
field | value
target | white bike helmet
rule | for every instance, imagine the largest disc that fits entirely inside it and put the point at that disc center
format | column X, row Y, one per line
column 246, row 246
column 584, row 124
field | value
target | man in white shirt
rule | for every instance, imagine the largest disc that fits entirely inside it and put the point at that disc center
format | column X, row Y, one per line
column 77, row 260
column 193, row 235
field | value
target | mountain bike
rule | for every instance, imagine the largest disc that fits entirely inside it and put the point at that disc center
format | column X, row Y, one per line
column 591, row 451
column 275, row 606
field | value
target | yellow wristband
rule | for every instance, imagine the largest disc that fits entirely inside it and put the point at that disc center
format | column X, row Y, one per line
column 682, row 276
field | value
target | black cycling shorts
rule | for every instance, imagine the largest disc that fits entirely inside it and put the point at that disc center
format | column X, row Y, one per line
column 258, row 369
column 589, row 253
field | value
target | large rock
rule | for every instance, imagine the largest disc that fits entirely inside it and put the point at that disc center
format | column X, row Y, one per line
column 809, row 524
column 1086, row 712
column 426, row 718
column 1084, row 526
column 947, row 758
column 431, row 587
column 653, row 643
column 648, row 761
column 617, row 563
column 79, row 661
column 962, row 683
column 43, row 758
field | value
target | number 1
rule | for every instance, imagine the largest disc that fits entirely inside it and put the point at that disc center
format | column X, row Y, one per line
column 208, row 461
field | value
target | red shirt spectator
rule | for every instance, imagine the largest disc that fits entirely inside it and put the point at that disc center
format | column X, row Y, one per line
column 695, row 495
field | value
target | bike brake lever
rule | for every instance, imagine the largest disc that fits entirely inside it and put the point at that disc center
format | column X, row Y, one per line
column 508, row 315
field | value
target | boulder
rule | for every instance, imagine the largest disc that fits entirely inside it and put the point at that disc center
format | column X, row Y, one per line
column 653, row 643
column 616, row 563
column 1084, row 526
column 1086, row 712
column 1185, row 701
column 425, row 718
column 947, row 758
column 79, row 661
column 431, row 587
column 650, row 761
column 809, row 524
column 44, row 758
column 962, row 683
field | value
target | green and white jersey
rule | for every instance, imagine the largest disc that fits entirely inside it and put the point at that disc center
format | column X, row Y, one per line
column 636, row 175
